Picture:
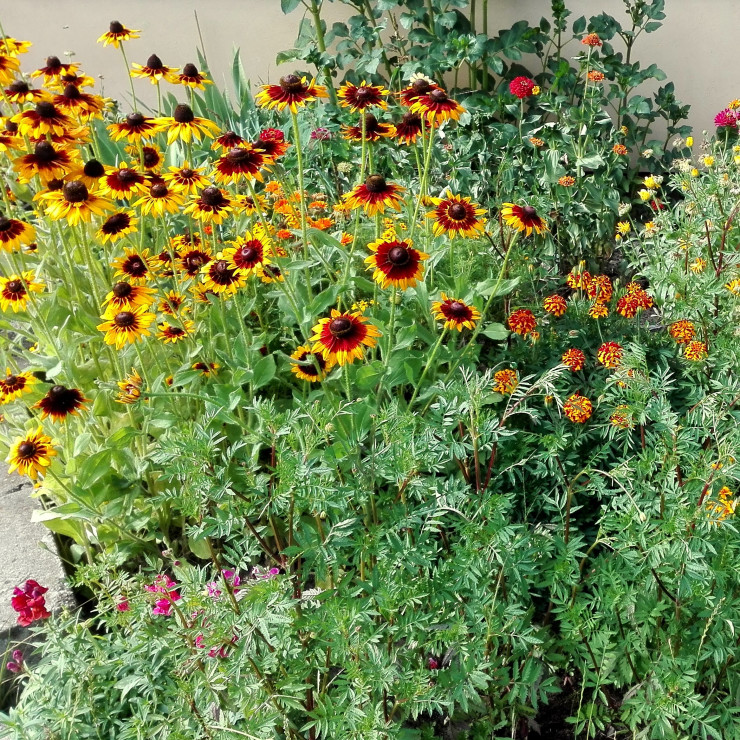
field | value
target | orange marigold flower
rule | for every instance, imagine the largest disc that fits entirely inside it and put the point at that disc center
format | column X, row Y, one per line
column 610, row 354
column 598, row 311
column 578, row 280
column 695, row 351
column 620, row 149
column 505, row 381
column 578, row 408
column 621, row 417
column 682, row 331
column 599, row 288
column 522, row 321
column 555, row 304
column 534, row 141
column 574, row 358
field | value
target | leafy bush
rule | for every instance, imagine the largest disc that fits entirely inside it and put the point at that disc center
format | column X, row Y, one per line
column 393, row 461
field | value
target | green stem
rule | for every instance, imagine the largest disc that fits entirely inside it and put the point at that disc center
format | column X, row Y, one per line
column 315, row 10
column 130, row 78
column 429, row 364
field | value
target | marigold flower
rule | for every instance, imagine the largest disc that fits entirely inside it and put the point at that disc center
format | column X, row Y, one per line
column 695, row 351
column 599, row 288
column 610, row 354
column 522, row 321
column 455, row 313
column 574, row 358
column 31, row 455
column 621, row 417
column 522, row 87
column 567, row 181
column 505, row 382
column 598, row 310
column 534, row 141
column 682, row 331
column 555, row 304
column 724, row 507
column 523, row 218
column 293, row 92
column 595, row 76
column 578, row 408
column 623, row 227
column 341, row 337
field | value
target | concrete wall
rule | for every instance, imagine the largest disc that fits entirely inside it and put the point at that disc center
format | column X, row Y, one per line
column 695, row 46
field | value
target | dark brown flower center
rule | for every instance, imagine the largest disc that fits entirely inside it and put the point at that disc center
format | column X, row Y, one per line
column 529, row 211
column 239, row 155
column 26, row 450
column 134, row 119
column 53, row 62
column 19, row 86
column 220, row 269
column 93, row 168
column 9, row 382
column 5, row 223
column 410, row 118
column 438, row 96
column 45, row 109
column 457, row 212
column 190, row 70
column 154, row 62
column 122, row 290
column 363, row 94
column 194, row 262
column 126, row 175
column 399, row 256
column 135, row 266
column 14, row 286
column 74, row 191
column 186, row 173
column 458, row 310
column 371, row 122
column 211, row 196
column 11, row 127
column 183, row 114
column 124, row 319
column 116, row 27
column 421, row 87
column 151, row 157
column 160, row 190
column 55, row 184
column 72, row 92
column 57, row 391
column 340, row 327
column 375, row 183
column 271, row 271
column 248, row 253
column 291, row 84
column 44, row 151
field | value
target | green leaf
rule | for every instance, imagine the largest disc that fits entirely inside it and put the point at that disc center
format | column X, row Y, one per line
column 264, row 371
column 579, row 25
column 199, row 548
column 487, row 287
column 495, row 331
column 288, row 6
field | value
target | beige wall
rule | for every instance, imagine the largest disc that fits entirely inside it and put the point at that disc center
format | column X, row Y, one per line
column 695, row 47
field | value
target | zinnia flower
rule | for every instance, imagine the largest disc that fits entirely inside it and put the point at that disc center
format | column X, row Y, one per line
column 341, row 337
column 522, row 87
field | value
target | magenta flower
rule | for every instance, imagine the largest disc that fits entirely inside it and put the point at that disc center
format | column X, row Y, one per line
column 163, row 584
column 122, row 605
column 15, row 665
column 30, row 603
column 726, row 118
column 522, row 87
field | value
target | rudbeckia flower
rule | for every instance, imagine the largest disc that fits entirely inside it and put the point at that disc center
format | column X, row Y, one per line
column 155, row 71
column 133, row 128
column 31, row 455
column 341, row 337
column 122, row 182
column 186, row 179
column 117, row 226
column 437, row 106
column 170, row 334
column 117, row 33
column 125, row 296
column 241, row 162
column 15, row 385
column 374, row 130
column 293, row 92
column 212, row 205
column 46, row 161
column 221, row 278
column 13, row 233
column 15, row 289
column 359, row 97
column 310, row 366
column 456, row 215
column 374, row 195
column 395, row 263
column 60, row 402
column 159, row 200
column 523, row 218
column 248, row 253
column 53, row 69
column 455, row 313
column 125, row 327
column 191, row 77
column 408, row 129
column 45, row 118
column 185, row 125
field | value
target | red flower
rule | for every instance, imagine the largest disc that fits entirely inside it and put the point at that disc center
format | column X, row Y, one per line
column 30, row 603
column 522, row 87
column 726, row 118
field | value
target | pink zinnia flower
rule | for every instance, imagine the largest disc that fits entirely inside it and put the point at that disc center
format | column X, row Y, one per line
column 726, row 118
column 30, row 603
column 522, row 87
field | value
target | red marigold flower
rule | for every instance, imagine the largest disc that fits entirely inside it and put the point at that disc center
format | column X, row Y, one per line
column 522, row 87
column 599, row 288
column 682, row 331
column 522, row 321
column 591, row 39
column 578, row 408
column 621, row 417
column 505, row 381
column 574, row 358
column 30, row 603
column 555, row 304
column 567, row 181
column 610, row 354
column 695, row 351
column 635, row 300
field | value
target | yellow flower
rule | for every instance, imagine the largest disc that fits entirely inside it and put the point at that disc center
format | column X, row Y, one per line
column 689, row 141
column 708, row 160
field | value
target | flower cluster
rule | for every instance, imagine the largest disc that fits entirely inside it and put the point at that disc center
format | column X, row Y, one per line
column 30, row 603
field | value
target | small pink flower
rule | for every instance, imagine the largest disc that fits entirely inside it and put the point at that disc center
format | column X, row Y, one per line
column 15, row 665
column 123, row 605
column 321, row 134
column 213, row 591
column 199, row 641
